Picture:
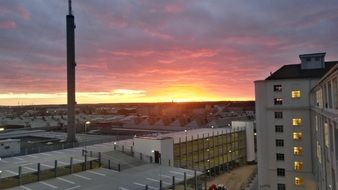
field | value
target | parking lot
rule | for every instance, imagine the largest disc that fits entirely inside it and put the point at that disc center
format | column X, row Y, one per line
column 135, row 178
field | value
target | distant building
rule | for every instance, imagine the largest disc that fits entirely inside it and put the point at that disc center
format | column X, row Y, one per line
column 290, row 151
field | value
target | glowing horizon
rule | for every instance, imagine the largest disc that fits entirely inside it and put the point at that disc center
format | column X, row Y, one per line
column 114, row 96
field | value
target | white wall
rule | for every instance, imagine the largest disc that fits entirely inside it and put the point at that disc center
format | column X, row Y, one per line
column 266, row 135
column 165, row 146
column 250, row 142
column 9, row 147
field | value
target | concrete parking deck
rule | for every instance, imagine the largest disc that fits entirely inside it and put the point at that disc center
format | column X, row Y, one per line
column 135, row 178
column 9, row 166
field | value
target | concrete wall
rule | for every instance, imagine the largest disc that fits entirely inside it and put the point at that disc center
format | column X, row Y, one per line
column 250, row 142
column 9, row 147
column 165, row 146
column 266, row 135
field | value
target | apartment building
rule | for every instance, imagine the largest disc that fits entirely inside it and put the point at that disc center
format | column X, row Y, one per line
column 284, row 102
column 324, row 117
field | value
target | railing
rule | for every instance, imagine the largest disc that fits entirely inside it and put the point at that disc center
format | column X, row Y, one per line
column 42, row 172
column 46, row 148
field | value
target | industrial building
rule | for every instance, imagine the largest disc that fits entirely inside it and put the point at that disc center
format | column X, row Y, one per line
column 206, row 149
column 291, row 145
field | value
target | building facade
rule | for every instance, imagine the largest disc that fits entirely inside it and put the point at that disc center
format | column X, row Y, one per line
column 284, row 124
column 211, row 150
column 325, row 131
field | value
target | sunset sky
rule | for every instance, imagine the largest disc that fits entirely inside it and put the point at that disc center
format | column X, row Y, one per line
column 156, row 50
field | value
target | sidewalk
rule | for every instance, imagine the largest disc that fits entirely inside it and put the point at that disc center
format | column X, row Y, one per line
column 235, row 178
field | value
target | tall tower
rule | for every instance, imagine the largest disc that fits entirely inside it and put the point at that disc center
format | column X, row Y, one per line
column 71, row 74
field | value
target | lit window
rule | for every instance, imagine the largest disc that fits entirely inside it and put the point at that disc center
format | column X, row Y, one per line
column 277, row 88
column 297, row 135
column 295, row 94
column 298, row 165
column 297, row 150
column 278, row 101
column 296, row 121
column 299, row 181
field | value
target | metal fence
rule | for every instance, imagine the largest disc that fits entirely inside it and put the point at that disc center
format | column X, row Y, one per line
column 197, row 182
column 64, row 145
column 42, row 172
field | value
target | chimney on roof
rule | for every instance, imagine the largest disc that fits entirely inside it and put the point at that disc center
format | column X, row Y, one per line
column 312, row 61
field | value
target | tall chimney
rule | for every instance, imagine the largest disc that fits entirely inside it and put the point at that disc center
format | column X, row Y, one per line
column 71, row 75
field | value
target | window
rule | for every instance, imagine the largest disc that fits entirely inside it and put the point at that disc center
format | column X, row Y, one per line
column 298, row 165
column 317, row 58
column 297, row 135
column 280, row 172
column 329, row 93
column 279, row 142
column 319, row 98
column 319, row 153
column 279, row 128
column 296, row 121
column 308, row 59
column 297, row 150
column 280, row 157
column 277, row 88
column 299, row 181
column 335, row 93
column 295, row 94
column 278, row 115
column 281, row 186
column 278, row 101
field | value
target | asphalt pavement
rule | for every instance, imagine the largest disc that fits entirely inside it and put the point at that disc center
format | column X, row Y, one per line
column 135, row 178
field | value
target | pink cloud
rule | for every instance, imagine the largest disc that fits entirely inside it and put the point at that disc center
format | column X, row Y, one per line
column 221, row 45
column 24, row 13
column 173, row 8
column 7, row 25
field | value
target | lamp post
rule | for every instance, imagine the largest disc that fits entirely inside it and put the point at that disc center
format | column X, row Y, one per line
column 87, row 123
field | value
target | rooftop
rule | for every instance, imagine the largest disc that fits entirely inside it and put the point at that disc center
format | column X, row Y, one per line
column 312, row 54
column 198, row 133
column 295, row 72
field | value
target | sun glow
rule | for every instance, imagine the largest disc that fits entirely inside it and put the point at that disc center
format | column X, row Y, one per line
column 175, row 93
column 183, row 93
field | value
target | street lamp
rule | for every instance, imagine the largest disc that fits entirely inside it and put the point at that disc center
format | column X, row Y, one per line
column 2, row 129
column 87, row 123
